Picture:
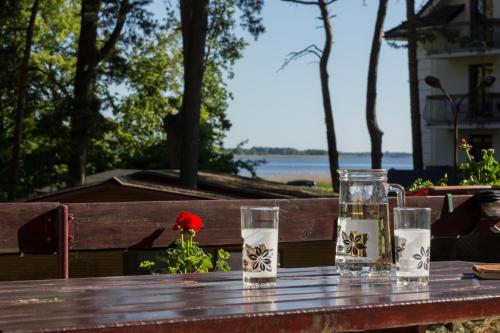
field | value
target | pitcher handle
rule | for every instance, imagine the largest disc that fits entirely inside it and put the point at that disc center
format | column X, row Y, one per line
column 400, row 192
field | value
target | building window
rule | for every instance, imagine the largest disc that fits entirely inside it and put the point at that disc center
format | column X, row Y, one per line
column 481, row 10
column 478, row 143
column 481, row 16
column 478, row 98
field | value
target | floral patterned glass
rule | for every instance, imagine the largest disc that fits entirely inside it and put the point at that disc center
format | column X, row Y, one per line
column 413, row 244
column 259, row 230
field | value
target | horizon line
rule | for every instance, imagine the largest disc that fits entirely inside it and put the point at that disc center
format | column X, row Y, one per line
column 343, row 152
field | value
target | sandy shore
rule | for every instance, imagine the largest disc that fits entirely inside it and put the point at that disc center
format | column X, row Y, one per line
column 319, row 179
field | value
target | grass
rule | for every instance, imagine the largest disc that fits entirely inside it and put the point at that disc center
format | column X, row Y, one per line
column 323, row 182
column 325, row 187
column 472, row 326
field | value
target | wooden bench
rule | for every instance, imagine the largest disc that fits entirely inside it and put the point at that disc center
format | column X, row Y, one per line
column 100, row 239
column 306, row 230
column 33, row 228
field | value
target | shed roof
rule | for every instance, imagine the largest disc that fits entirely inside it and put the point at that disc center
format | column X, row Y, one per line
column 210, row 186
column 427, row 17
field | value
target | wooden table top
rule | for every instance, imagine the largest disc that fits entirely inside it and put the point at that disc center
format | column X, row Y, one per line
column 304, row 299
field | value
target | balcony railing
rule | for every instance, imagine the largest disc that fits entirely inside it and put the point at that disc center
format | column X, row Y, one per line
column 460, row 37
column 438, row 110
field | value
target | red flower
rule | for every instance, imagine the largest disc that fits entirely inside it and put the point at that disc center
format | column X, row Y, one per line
column 187, row 221
column 462, row 139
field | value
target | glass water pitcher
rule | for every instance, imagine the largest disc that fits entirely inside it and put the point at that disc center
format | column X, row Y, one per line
column 363, row 231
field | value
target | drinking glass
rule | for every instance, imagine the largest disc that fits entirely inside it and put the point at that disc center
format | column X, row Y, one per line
column 413, row 244
column 259, row 230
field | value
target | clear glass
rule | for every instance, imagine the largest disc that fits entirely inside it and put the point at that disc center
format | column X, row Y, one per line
column 259, row 230
column 363, row 230
column 412, row 236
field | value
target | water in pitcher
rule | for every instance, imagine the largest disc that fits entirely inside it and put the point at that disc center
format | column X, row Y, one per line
column 363, row 240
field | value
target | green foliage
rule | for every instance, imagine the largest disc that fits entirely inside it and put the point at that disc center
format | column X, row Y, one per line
column 221, row 264
column 186, row 257
column 324, row 186
column 443, row 181
column 470, row 326
column 9, row 59
column 276, row 151
column 483, row 172
column 147, row 264
column 137, row 85
column 419, row 183
column 43, row 149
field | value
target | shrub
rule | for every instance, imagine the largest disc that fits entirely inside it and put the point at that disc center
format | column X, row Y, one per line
column 483, row 172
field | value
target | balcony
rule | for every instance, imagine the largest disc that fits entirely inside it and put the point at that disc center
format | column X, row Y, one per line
column 459, row 40
column 439, row 112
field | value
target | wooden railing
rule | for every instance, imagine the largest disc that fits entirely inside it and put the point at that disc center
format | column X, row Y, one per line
column 98, row 238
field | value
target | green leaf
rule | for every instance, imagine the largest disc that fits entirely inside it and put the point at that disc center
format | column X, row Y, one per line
column 206, row 264
column 222, row 254
column 147, row 264
column 419, row 183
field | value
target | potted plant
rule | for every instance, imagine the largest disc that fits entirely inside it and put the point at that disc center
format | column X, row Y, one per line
column 480, row 175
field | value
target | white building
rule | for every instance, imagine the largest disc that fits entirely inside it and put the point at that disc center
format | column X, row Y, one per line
column 459, row 43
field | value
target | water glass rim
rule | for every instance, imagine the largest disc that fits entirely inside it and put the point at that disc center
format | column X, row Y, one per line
column 361, row 175
column 261, row 208
column 412, row 209
column 354, row 170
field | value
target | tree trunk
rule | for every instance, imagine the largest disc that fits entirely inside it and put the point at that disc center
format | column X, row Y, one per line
column 333, row 154
column 371, row 90
column 171, row 125
column 85, row 101
column 194, row 21
column 418, row 163
column 21, row 102
column 86, row 107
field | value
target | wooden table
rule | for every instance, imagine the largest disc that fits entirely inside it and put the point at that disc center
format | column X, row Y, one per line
column 304, row 300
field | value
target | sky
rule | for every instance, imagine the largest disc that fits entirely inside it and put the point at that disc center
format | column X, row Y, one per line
column 284, row 108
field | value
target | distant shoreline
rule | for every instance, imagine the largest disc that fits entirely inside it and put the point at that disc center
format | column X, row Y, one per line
column 388, row 154
column 285, row 151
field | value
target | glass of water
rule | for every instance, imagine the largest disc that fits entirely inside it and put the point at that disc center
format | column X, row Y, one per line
column 259, row 230
column 413, row 244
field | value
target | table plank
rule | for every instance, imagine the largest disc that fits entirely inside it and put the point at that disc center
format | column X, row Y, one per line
column 92, row 306
column 303, row 299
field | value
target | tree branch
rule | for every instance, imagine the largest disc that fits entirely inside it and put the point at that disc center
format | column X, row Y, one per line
column 113, row 38
column 52, row 78
column 302, row 2
column 311, row 49
column 211, row 37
